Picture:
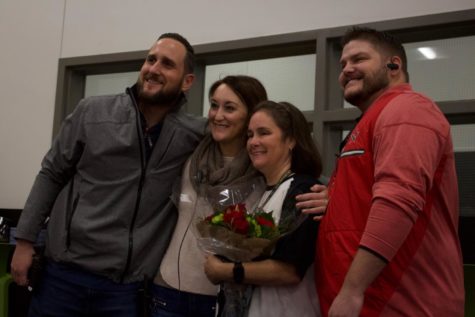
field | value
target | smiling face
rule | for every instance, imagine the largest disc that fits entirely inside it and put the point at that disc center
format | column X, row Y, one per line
column 270, row 153
column 162, row 77
column 227, row 120
column 364, row 75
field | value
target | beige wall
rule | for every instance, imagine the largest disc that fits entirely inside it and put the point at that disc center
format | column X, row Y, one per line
column 35, row 34
column 30, row 45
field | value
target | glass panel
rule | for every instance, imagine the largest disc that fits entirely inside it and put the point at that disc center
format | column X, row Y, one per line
column 106, row 84
column 464, row 147
column 443, row 69
column 347, row 104
column 344, row 133
column 462, row 136
column 285, row 78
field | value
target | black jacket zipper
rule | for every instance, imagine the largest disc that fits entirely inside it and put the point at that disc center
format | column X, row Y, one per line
column 70, row 220
column 139, row 190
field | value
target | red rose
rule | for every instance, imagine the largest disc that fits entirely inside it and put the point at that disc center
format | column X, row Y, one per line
column 234, row 212
column 264, row 222
column 227, row 216
column 231, row 216
column 240, row 225
column 241, row 208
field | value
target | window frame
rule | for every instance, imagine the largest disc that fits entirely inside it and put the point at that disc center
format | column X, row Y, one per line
column 329, row 118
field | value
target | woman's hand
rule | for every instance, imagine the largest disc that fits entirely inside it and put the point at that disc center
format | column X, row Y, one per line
column 315, row 202
column 218, row 271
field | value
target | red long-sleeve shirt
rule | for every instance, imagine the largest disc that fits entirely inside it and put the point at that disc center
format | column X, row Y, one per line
column 385, row 196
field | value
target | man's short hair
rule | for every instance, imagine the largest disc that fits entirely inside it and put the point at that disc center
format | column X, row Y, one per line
column 190, row 53
column 385, row 42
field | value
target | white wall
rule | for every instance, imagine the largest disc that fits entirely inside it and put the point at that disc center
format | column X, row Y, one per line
column 95, row 27
column 30, row 45
column 34, row 34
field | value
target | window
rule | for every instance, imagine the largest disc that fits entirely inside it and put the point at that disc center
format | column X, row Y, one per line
column 106, row 84
column 443, row 69
column 289, row 78
column 464, row 148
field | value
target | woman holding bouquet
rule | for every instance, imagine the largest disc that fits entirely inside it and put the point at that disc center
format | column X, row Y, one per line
column 181, row 287
column 281, row 148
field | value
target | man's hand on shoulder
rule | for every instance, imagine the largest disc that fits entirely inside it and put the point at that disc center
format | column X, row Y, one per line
column 314, row 202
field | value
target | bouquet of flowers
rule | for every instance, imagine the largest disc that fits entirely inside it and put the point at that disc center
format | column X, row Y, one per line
column 237, row 234
column 228, row 223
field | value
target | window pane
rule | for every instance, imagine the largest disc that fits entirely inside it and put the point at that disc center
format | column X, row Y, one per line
column 106, row 84
column 285, row 78
column 447, row 70
column 344, row 133
column 464, row 147
column 449, row 74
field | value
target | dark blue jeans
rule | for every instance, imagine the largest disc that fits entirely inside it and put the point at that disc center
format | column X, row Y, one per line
column 168, row 302
column 70, row 291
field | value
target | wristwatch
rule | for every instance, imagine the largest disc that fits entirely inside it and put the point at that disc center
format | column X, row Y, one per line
column 238, row 272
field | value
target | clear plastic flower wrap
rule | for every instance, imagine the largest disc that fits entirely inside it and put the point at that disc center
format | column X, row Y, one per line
column 224, row 222
column 230, row 221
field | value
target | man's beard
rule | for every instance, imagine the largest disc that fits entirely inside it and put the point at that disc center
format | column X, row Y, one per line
column 371, row 85
column 161, row 98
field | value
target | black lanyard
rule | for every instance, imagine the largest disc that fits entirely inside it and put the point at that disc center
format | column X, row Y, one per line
column 284, row 177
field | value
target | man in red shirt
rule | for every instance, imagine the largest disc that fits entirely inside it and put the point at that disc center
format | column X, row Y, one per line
column 388, row 244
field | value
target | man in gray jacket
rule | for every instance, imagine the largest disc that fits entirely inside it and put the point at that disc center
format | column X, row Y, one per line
column 105, row 186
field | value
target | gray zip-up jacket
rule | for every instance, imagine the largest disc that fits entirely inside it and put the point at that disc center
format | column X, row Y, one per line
column 110, row 210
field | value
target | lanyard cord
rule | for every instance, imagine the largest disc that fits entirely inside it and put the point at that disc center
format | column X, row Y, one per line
column 284, row 177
